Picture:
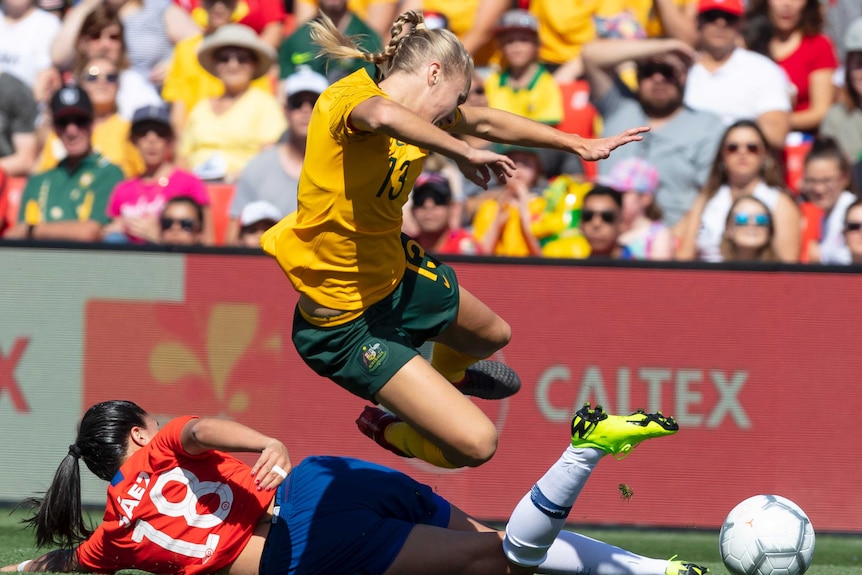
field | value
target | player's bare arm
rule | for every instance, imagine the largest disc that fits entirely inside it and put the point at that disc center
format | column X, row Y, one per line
column 505, row 127
column 57, row 561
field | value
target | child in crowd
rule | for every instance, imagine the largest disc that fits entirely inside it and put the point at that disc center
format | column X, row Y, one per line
column 136, row 203
column 254, row 219
column 748, row 232
column 644, row 233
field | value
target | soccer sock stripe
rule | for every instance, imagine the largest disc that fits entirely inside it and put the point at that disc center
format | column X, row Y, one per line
column 547, row 506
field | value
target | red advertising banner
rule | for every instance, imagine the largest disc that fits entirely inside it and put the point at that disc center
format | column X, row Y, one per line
column 759, row 368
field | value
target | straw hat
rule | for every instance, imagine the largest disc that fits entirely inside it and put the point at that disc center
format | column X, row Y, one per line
column 238, row 36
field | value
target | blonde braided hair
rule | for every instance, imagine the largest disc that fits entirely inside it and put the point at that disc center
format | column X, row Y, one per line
column 406, row 51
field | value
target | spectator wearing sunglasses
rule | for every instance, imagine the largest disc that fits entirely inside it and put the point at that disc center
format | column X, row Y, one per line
column 181, row 222
column 224, row 132
column 137, row 203
column 431, row 207
column 682, row 142
column 828, row 186
column 99, row 77
column 744, row 165
column 68, row 202
column 735, row 83
column 748, row 232
column 853, row 231
column 101, row 35
column 273, row 174
column 601, row 223
column 151, row 28
column 186, row 81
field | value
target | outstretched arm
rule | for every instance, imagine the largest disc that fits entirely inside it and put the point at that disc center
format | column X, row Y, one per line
column 377, row 114
column 501, row 126
column 200, row 435
column 57, row 561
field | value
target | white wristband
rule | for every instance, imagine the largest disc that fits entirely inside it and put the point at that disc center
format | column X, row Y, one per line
column 23, row 565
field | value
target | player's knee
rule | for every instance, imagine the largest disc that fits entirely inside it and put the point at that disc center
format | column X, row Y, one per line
column 479, row 446
column 500, row 336
column 505, row 333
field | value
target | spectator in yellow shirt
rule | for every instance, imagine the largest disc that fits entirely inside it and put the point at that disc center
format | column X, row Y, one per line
column 186, row 81
column 224, row 132
column 523, row 86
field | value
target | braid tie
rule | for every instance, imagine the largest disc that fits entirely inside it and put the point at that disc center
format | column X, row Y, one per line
column 75, row 451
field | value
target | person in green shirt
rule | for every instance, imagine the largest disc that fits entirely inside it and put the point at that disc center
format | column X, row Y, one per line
column 68, row 202
column 298, row 49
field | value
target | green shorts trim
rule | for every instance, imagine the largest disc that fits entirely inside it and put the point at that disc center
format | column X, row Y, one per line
column 363, row 354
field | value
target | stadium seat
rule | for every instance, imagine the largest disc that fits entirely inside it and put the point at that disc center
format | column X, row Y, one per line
column 796, row 148
column 221, row 196
column 579, row 116
column 10, row 201
column 812, row 220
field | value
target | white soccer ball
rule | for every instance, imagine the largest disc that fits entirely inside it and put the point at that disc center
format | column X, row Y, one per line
column 767, row 535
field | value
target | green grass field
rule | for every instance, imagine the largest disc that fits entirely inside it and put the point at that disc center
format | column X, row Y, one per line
column 835, row 555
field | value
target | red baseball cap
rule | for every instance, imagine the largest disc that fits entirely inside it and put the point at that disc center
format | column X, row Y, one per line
column 734, row 7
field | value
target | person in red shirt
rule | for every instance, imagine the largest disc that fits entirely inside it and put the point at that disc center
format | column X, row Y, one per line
column 178, row 503
column 791, row 33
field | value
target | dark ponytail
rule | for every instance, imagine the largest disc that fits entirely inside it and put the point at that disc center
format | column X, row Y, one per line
column 102, row 443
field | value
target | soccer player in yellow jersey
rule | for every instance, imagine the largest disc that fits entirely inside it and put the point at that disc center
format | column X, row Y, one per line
column 370, row 296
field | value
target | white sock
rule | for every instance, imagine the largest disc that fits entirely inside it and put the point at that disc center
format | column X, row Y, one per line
column 573, row 553
column 540, row 515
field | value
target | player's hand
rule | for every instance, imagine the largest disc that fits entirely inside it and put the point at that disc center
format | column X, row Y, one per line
column 272, row 466
column 480, row 165
column 601, row 148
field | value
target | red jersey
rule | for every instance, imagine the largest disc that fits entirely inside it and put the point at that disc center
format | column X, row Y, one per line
column 171, row 512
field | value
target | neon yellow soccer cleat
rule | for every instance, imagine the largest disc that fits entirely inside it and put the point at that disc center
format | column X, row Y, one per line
column 618, row 434
column 682, row 568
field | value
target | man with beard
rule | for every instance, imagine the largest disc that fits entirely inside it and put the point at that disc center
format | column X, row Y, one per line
column 735, row 83
column 682, row 142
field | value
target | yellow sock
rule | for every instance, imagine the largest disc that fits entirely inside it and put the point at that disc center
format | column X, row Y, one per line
column 450, row 363
column 408, row 440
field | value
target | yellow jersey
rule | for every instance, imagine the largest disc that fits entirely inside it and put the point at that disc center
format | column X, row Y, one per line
column 342, row 246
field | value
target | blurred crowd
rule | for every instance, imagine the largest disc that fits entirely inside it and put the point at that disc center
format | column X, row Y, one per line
column 119, row 118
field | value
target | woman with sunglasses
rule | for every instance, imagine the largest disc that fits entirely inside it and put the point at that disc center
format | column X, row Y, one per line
column 368, row 296
column 744, row 165
column 181, row 222
column 223, row 133
column 136, row 203
column 180, row 502
column 99, row 77
column 101, row 35
column 748, row 232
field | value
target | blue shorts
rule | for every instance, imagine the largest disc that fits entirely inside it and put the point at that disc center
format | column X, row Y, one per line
column 343, row 516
